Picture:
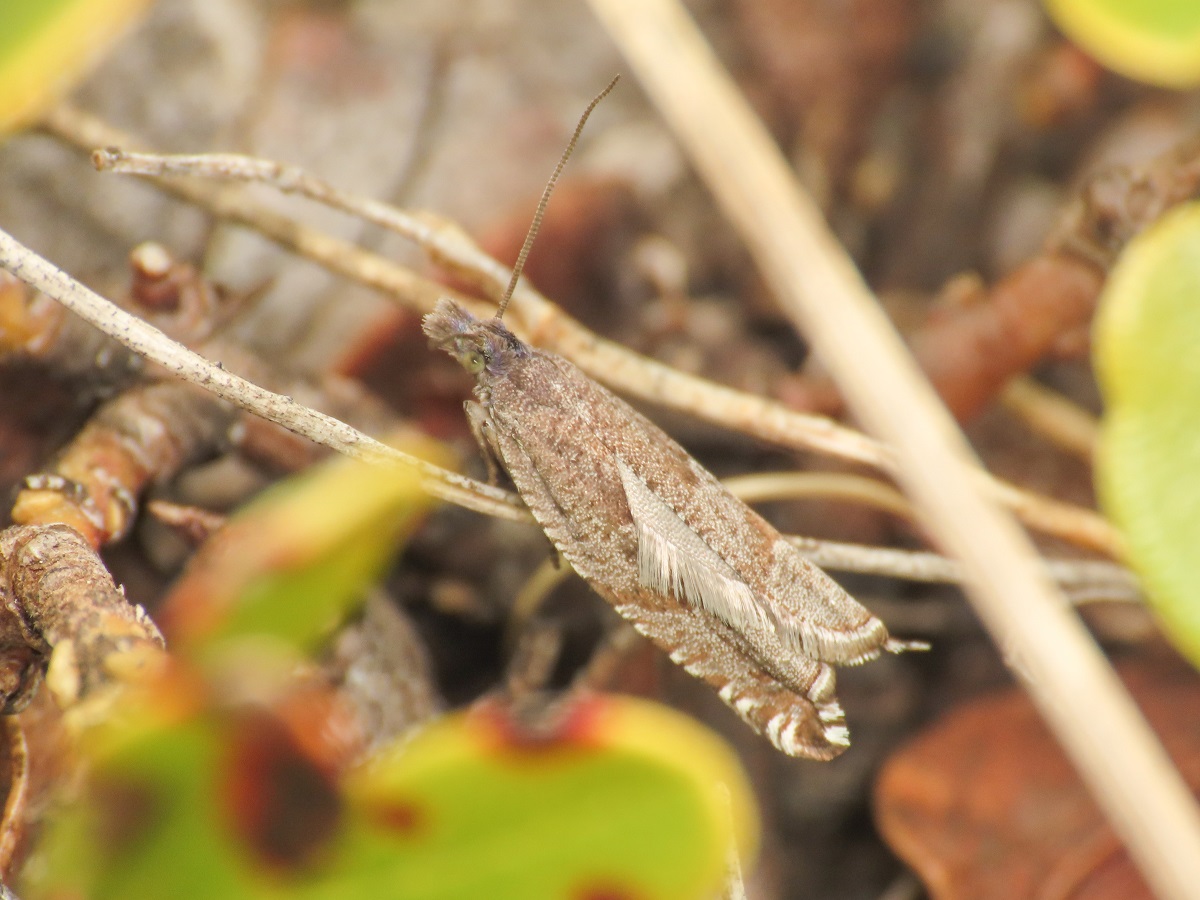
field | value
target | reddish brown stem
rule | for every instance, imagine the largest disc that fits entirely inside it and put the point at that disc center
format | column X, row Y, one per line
column 970, row 351
column 147, row 434
column 58, row 597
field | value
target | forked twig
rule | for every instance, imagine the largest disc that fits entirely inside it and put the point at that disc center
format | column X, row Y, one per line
column 1063, row 423
column 1108, row 583
column 543, row 322
column 146, row 340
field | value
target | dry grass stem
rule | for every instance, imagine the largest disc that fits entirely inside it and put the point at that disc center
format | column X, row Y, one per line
column 147, row 341
column 1063, row 423
column 541, row 322
column 144, row 339
column 1046, row 645
column 1082, row 580
column 763, row 486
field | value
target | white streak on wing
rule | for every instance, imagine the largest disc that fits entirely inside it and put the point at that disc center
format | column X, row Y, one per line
column 775, row 727
column 745, row 706
column 831, row 712
column 838, row 734
column 674, row 560
column 821, row 691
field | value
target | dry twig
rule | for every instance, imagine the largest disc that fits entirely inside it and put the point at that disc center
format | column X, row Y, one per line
column 61, row 605
column 1047, row 647
column 12, row 822
column 545, row 325
column 970, row 351
column 315, row 426
column 147, row 341
column 146, row 434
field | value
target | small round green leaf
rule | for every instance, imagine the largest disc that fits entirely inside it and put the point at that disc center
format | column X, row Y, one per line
column 1155, row 41
column 46, row 44
column 1147, row 355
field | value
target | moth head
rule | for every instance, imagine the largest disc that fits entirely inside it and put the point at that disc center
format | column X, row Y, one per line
column 483, row 348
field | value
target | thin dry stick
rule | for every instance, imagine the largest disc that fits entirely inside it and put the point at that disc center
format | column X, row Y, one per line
column 146, row 340
column 452, row 249
column 762, row 486
column 1062, row 422
column 1083, row 580
column 544, row 324
column 1084, row 583
column 1079, row 694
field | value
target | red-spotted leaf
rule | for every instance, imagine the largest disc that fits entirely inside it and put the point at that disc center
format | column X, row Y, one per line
column 622, row 799
column 192, row 796
column 188, row 798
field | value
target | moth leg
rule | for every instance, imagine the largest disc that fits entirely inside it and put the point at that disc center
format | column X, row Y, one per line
column 482, row 431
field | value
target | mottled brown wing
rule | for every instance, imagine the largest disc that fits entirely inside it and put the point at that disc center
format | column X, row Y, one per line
column 810, row 609
column 543, row 425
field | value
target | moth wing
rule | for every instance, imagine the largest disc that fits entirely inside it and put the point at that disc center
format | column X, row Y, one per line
column 655, row 555
column 805, row 723
column 809, row 605
column 778, row 692
column 674, row 560
column 806, row 608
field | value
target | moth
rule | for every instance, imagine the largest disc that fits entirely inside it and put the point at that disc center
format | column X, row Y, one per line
column 693, row 568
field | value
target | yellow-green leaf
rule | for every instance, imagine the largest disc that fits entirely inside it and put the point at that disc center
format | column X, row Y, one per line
column 46, row 44
column 289, row 564
column 1147, row 354
column 1156, row 41
column 625, row 798
column 205, row 801
column 191, row 795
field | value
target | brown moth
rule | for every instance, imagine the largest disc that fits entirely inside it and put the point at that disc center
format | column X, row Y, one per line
column 653, row 532
column 693, row 568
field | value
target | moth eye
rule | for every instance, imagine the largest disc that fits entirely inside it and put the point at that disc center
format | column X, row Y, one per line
column 474, row 362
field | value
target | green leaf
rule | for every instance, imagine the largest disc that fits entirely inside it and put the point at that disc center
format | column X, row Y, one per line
column 623, row 798
column 155, row 802
column 1156, row 41
column 46, row 44
column 1147, row 355
column 191, row 800
column 289, row 565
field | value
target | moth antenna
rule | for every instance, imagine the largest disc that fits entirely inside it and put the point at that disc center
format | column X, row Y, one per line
column 541, row 207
